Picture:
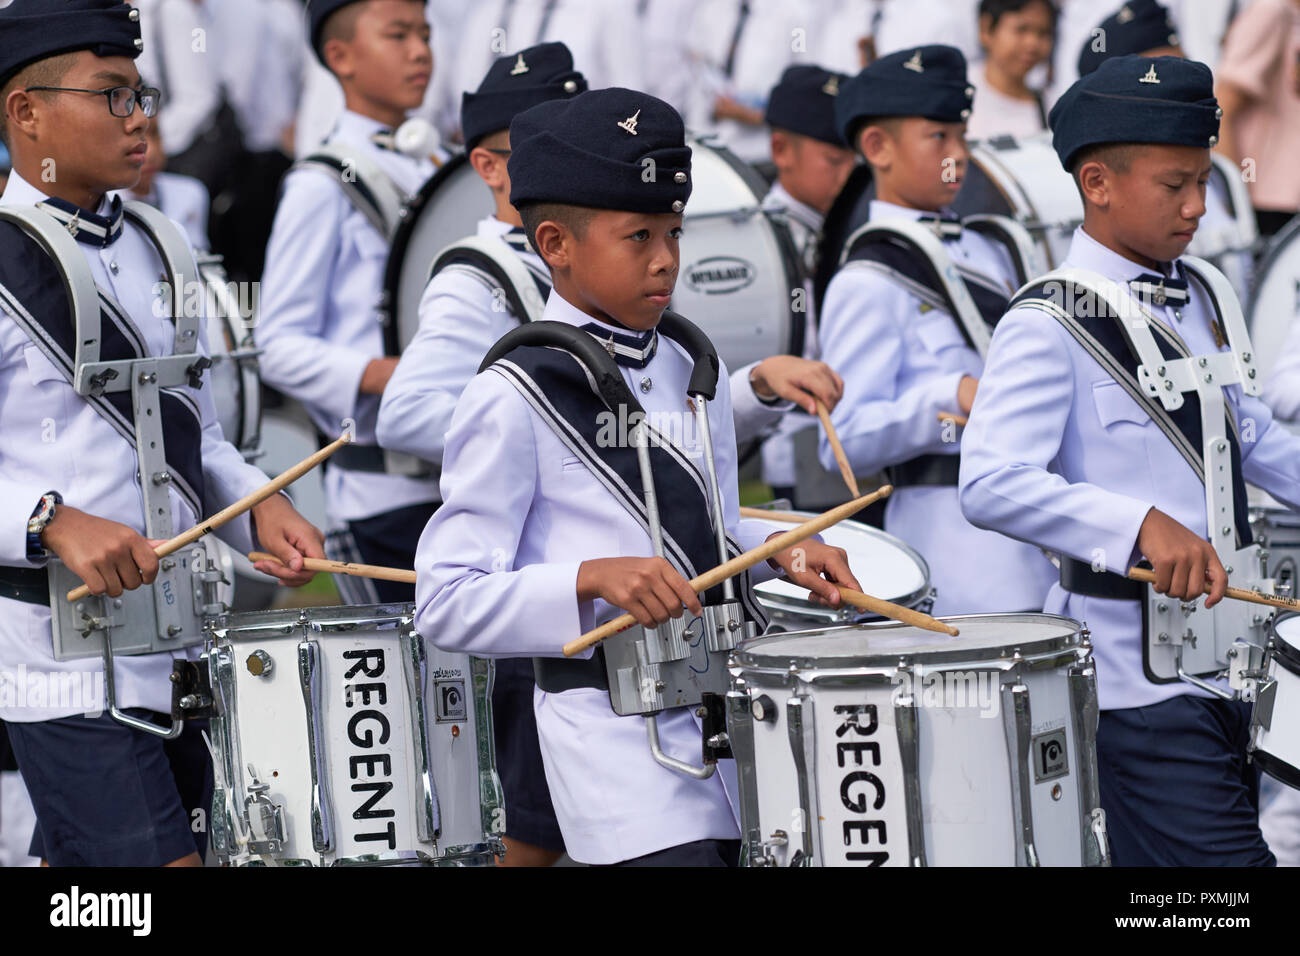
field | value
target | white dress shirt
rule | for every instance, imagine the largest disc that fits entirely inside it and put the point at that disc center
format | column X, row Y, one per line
column 497, row 573
column 53, row 440
column 1058, row 454
column 319, row 323
column 901, row 363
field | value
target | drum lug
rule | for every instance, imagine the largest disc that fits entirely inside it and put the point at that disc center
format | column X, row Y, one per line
column 415, row 677
column 802, row 733
column 1083, row 705
column 322, row 811
column 1017, row 724
column 909, row 753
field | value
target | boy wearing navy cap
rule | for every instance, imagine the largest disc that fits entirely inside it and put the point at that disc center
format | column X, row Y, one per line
column 541, row 536
column 464, row 310
column 319, row 324
column 108, row 789
column 906, row 319
column 1066, row 450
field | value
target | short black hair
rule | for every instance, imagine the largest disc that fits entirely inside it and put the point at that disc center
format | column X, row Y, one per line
column 1118, row 156
column 995, row 10
column 47, row 72
column 573, row 218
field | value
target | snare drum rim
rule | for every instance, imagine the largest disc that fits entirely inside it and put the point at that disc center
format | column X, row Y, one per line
column 806, row 608
column 343, row 617
column 1281, row 649
column 748, row 660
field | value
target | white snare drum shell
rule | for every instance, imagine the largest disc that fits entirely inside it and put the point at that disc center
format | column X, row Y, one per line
column 1275, row 723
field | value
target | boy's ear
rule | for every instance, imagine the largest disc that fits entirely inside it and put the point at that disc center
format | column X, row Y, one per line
column 338, row 58
column 1095, row 183
column 554, row 245
column 782, row 149
column 876, row 146
column 490, row 167
column 19, row 113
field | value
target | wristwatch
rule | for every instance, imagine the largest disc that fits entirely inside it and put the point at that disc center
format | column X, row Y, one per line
column 36, row 524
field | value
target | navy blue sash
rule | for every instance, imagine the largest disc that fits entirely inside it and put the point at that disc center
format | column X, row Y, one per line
column 898, row 255
column 1102, row 337
column 558, row 388
column 32, row 289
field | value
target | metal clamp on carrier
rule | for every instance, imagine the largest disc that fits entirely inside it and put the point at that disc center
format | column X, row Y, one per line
column 1182, row 640
column 683, row 662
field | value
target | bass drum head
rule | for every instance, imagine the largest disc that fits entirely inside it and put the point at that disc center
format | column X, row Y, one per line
column 446, row 209
column 983, row 637
column 739, row 270
column 1023, row 179
column 1276, row 302
column 886, row 567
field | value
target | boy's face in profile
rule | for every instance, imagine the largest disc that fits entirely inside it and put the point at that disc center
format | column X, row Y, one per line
column 811, row 171
column 624, row 265
column 1152, row 208
column 388, row 60
column 921, row 161
column 81, row 142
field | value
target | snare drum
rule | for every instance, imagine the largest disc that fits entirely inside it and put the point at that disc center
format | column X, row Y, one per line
column 886, row 567
column 342, row 737
column 1275, row 720
column 887, row 745
column 1276, row 529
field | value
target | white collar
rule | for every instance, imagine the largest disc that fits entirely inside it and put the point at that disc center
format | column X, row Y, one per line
column 1087, row 253
column 778, row 197
column 19, row 192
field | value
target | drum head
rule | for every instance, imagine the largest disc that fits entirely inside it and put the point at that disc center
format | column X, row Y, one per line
column 447, row 208
column 983, row 637
column 885, row 566
column 1023, row 179
column 738, row 265
column 1276, row 301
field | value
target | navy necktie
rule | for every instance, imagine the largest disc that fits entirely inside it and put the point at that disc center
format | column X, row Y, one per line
column 1159, row 290
column 87, row 227
column 629, row 349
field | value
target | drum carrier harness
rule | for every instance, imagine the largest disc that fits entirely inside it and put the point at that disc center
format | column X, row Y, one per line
column 571, row 381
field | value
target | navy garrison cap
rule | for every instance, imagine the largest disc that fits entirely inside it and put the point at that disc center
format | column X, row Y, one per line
column 32, row 30
column 928, row 81
column 1136, row 27
column 318, row 11
column 804, row 102
column 1136, row 99
column 513, row 84
column 607, row 149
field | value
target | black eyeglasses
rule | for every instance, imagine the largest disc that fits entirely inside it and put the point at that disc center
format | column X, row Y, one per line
column 121, row 99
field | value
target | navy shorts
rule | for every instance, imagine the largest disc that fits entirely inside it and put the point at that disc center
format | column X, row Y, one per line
column 530, row 816
column 1177, row 787
column 388, row 540
column 710, row 853
column 108, row 795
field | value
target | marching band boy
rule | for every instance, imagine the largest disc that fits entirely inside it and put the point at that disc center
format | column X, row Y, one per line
column 529, row 548
column 904, row 358
column 1064, row 452
column 75, row 118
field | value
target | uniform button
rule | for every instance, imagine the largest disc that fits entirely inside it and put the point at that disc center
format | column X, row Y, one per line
column 679, row 177
column 678, row 205
column 646, row 384
column 112, row 267
column 1178, row 314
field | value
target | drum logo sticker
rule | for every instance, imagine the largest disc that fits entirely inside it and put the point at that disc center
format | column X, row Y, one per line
column 719, row 275
column 449, row 701
column 1050, row 757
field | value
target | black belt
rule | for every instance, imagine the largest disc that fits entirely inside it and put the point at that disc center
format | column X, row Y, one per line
column 1078, row 577
column 354, row 457
column 926, row 470
column 557, row 674
column 29, row 585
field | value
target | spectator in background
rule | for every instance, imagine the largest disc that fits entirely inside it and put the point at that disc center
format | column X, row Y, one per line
column 181, row 198
column 1016, row 36
column 1258, row 87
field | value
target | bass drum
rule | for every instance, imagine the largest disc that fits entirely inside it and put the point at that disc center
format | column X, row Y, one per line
column 1276, row 299
column 236, row 382
column 447, row 208
column 739, row 268
column 1023, row 179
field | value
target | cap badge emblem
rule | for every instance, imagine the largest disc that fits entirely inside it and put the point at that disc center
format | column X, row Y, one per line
column 832, row 87
column 1150, row 76
column 520, row 66
column 629, row 124
column 914, row 63
column 1124, row 15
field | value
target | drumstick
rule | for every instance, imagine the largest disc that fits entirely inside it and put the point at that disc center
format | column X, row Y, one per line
column 951, row 417
column 238, row 508
column 728, row 569
column 789, row 516
column 897, row 612
column 1240, row 594
column 400, row 575
column 836, row 447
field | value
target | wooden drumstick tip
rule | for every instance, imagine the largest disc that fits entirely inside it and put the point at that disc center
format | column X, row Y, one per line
column 953, row 417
